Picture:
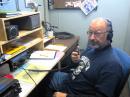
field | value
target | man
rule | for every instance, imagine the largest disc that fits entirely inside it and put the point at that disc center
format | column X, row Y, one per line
column 98, row 72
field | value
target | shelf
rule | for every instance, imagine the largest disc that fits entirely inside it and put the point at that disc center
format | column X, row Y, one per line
column 20, row 15
column 25, row 32
column 46, row 39
column 33, row 42
column 27, row 46
column 2, row 42
column 21, row 34
column 29, row 34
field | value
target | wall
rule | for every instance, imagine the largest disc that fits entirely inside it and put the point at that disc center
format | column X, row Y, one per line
column 11, row 5
column 76, row 22
column 127, row 39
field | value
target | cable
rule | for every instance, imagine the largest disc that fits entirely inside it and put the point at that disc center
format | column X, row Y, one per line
column 32, row 80
column 51, row 70
column 39, row 71
column 29, row 75
column 36, row 70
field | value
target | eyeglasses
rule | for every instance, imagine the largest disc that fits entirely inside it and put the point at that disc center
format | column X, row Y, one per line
column 97, row 34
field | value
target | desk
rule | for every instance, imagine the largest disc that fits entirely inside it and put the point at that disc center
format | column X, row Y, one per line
column 27, row 88
column 70, row 43
column 49, row 64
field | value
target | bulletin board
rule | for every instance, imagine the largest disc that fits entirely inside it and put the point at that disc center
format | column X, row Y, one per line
column 64, row 4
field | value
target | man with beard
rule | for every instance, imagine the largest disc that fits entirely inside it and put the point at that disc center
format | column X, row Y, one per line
column 98, row 71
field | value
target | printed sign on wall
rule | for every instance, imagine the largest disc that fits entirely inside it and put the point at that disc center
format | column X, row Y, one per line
column 88, row 6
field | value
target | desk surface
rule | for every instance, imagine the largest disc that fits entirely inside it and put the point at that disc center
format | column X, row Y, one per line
column 67, row 42
column 71, row 44
column 27, row 87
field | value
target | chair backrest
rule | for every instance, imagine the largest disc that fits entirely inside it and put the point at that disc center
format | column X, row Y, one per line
column 125, row 62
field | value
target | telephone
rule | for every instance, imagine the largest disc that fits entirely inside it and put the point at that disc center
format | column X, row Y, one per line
column 63, row 35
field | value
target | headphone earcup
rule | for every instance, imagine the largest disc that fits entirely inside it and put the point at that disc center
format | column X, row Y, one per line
column 109, row 36
column 110, row 30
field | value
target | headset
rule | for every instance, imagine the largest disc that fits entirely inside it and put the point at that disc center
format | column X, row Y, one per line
column 110, row 30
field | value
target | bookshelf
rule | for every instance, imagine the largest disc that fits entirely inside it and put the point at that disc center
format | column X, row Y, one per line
column 26, row 38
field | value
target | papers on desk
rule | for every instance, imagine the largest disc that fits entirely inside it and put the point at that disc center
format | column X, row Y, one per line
column 56, row 47
column 36, row 76
column 43, row 65
column 46, row 54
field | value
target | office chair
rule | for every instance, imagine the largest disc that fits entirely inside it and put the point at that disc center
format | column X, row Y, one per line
column 125, row 62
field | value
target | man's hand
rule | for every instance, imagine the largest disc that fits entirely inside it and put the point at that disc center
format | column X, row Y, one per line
column 59, row 94
column 75, row 56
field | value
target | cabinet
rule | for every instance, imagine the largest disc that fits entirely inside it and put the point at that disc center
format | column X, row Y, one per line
column 26, row 36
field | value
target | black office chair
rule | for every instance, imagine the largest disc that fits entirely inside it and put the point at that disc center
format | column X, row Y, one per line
column 125, row 62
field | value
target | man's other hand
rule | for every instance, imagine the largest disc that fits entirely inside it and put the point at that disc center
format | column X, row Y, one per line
column 59, row 94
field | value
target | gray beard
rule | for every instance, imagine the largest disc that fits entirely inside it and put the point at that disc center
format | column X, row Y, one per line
column 94, row 45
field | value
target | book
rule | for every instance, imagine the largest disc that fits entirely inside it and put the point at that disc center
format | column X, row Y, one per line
column 45, row 54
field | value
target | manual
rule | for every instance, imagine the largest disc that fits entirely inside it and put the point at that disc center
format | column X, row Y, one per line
column 45, row 54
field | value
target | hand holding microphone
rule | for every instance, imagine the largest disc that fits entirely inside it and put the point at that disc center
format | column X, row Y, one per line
column 75, row 56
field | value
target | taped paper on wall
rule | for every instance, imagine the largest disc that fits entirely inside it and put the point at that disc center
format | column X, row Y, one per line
column 88, row 6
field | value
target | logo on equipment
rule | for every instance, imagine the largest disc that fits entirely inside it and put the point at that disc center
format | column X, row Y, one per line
column 84, row 63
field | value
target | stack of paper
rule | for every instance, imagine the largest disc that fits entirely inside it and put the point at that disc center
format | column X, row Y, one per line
column 56, row 47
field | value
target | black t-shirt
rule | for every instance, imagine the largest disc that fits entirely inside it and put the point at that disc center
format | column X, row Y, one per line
column 102, row 73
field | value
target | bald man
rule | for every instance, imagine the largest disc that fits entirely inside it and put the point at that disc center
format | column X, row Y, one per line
column 98, row 72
